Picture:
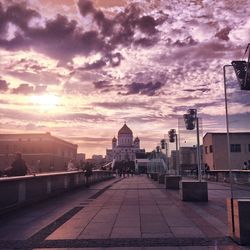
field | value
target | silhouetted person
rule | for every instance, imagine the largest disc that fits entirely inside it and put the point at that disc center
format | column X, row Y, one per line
column 18, row 167
column 245, row 167
column 124, row 170
column 88, row 172
column 207, row 168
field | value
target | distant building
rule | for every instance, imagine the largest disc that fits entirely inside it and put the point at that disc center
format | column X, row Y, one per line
column 141, row 162
column 97, row 159
column 125, row 147
column 216, row 152
column 42, row 151
column 187, row 158
column 80, row 157
column 173, row 160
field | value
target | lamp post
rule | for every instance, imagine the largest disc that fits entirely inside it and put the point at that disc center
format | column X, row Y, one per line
column 191, row 120
column 242, row 72
column 227, row 129
column 173, row 138
column 241, row 232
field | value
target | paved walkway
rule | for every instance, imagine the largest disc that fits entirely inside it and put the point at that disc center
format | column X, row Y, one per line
column 131, row 213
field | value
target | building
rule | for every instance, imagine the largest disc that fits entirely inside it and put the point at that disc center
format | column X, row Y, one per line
column 80, row 157
column 173, row 159
column 42, row 151
column 216, row 152
column 125, row 147
column 187, row 158
column 141, row 162
column 97, row 159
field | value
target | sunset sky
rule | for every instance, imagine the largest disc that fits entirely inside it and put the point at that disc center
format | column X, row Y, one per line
column 79, row 69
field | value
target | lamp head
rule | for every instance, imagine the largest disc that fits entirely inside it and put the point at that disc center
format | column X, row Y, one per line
column 242, row 71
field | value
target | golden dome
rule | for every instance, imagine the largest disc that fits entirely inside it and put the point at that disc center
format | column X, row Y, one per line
column 125, row 130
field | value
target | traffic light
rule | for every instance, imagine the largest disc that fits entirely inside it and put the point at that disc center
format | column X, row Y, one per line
column 190, row 118
column 163, row 142
column 158, row 149
column 189, row 122
column 242, row 71
column 192, row 112
column 171, row 134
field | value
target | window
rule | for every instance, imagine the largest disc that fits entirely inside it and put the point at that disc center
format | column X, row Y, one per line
column 206, row 150
column 211, row 149
column 235, row 148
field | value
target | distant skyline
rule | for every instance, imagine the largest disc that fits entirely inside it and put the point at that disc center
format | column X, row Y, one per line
column 79, row 69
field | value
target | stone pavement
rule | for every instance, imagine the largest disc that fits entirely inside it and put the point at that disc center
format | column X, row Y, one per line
column 131, row 213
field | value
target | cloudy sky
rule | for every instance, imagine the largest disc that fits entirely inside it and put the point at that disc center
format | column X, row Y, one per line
column 80, row 68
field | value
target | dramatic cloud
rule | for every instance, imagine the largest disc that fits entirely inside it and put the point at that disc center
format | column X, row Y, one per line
column 65, row 37
column 3, row 85
column 121, row 105
column 148, row 89
column 26, row 89
column 23, row 89
column 102, row 85
column 147, row 24
column 86, row 7
column 223, row 34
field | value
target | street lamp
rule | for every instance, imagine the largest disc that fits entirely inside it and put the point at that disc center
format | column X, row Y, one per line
column 163, row 144
column 242, row 71
column 173, row 138
column 191, row 120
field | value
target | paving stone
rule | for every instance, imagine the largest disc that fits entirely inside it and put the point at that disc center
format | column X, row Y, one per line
column 135, row 213
column 126, row 232
column 186, row 232
column 157, row 235
column 155, row 228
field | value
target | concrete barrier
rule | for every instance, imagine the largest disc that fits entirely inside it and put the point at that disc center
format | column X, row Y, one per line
column 161, row 179
column 20, row 191
column 193, row 190
column 172, row 181
column 239, row 220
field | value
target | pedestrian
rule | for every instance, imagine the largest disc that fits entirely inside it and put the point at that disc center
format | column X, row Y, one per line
column 120, row 171
column 38, row 166
column 88, row 172
column 128, row 171
column 124, row 171
column 207, row 168
column 132, row 172
column 18, row 167
column 245, row 166
column 71, row 166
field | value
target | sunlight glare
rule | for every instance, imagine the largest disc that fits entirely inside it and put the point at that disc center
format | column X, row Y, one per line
column 46, row 101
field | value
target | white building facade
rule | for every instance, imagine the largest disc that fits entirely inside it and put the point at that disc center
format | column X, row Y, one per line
column 124, row 147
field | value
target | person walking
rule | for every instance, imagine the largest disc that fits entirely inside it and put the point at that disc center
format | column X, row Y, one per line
column 245, row 167
column 18, row 167
column 88, row 172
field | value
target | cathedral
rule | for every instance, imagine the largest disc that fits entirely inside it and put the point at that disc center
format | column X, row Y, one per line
column 124, row 148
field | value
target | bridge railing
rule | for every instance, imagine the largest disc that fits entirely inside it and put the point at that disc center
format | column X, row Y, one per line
column 20, row 191
column 238, row 176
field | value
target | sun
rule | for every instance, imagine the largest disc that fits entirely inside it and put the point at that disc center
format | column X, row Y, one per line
column 47, row 102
